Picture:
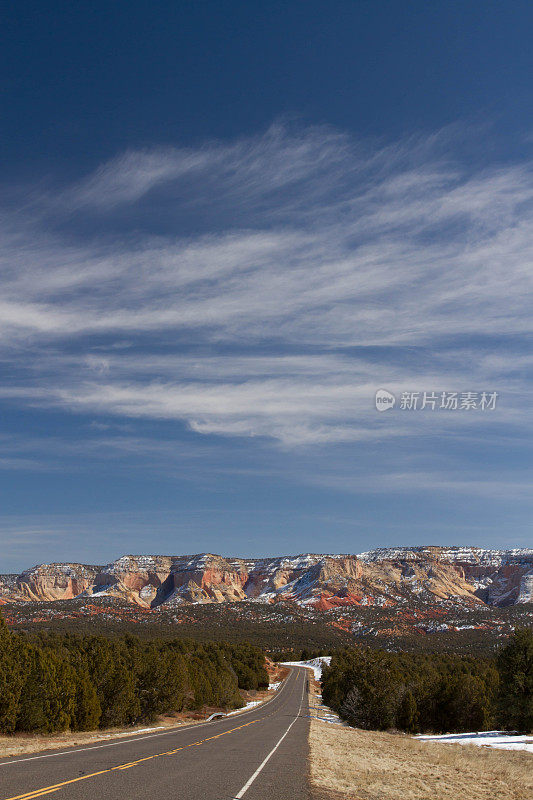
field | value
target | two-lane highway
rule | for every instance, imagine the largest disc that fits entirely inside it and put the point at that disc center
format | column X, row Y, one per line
column 256, row 755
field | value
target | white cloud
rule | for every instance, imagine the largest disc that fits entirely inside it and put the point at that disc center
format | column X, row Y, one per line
column 308, row 399
column 302, row 241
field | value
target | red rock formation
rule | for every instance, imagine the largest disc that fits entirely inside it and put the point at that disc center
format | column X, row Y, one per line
column 209, row 578
column 385, row 577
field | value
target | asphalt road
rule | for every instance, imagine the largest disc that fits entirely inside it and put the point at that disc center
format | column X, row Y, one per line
column 258, row 754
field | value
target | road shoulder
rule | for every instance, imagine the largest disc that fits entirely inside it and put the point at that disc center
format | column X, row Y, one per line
column 370, row 765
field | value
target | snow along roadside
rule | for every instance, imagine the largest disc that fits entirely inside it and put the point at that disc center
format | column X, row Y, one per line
column 501, row 740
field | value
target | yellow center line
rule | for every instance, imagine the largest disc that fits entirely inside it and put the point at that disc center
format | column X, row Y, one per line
column 43, row 791
column 55, row 787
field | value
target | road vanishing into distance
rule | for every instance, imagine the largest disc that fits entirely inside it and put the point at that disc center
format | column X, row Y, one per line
column 259, row 754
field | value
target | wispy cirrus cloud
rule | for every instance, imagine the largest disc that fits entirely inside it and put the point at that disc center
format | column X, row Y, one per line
column 267, row 287
column 294, row 399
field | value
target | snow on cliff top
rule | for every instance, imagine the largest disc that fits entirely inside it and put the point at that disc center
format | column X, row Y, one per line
column 268, row 566
column 465, row 555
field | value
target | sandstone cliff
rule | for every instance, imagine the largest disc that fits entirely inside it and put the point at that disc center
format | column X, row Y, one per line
column 393, row 576
column 55, row 581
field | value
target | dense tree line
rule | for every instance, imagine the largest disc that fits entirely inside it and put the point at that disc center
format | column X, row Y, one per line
column 441, row 693
column 59, row 682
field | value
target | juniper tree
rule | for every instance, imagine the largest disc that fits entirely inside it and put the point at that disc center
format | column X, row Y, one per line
column 88, row 710
column 48, row 696
column 407, row 714
column 11, row 678
column 515, row 664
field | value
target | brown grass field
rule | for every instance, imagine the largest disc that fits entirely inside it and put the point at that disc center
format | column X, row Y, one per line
column 350, row 763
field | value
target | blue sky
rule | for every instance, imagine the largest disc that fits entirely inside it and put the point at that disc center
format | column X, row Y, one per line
column 224, row 227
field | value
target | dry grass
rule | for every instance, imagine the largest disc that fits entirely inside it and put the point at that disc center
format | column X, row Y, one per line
column 33, row 743
column 367, row 765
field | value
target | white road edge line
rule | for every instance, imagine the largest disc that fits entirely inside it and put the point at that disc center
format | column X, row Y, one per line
column 269, row 756
column 131, row 738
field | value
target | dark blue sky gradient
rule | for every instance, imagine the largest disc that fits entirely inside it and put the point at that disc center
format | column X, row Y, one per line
column 84, row 81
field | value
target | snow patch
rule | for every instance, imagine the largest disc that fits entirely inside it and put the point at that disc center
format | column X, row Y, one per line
column 498, row 739
column 249, row 704
column 327, row 715
column 525, row 590
column 464, row 555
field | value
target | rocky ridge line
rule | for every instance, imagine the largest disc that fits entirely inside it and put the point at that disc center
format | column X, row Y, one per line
column 386, row 576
